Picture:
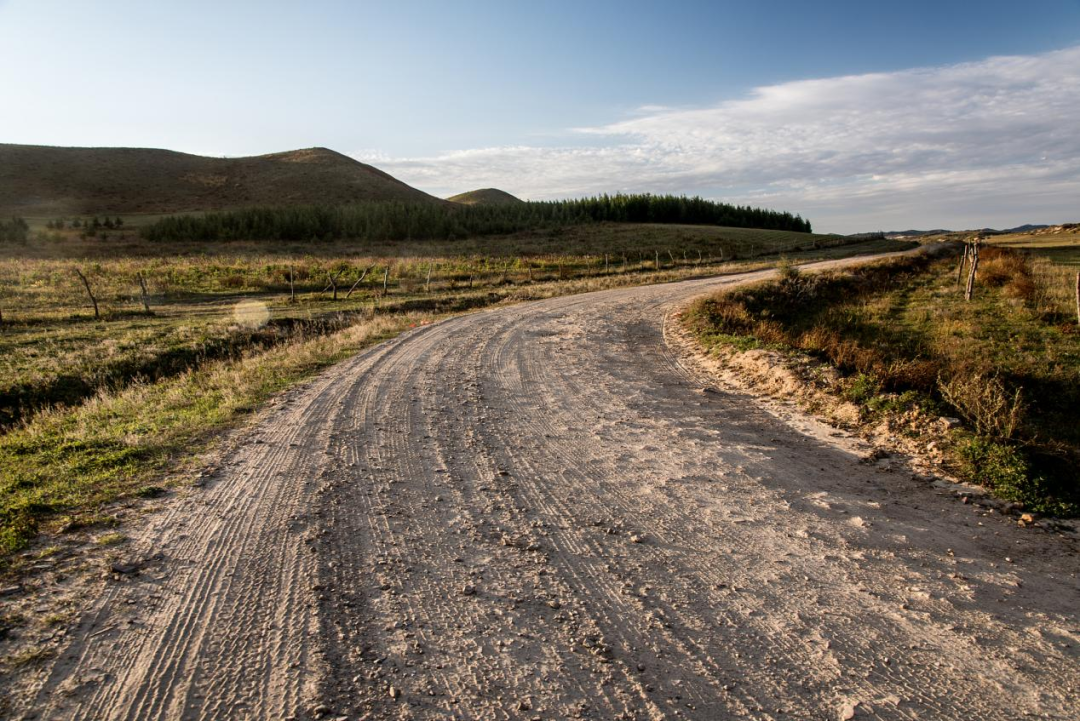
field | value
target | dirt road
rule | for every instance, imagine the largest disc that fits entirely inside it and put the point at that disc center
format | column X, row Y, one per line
column 539, row 512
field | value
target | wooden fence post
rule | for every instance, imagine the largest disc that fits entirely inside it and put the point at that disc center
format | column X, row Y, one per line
column 385, row 278
column 89, row 292
column 427, row 284
column 657, row 259
column 960, row 268
column 1078, row 298
column 358, row 282
column 292, row 288
column 971, row 274
column 142, row 287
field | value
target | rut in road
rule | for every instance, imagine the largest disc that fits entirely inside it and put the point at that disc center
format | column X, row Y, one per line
column 536, row 511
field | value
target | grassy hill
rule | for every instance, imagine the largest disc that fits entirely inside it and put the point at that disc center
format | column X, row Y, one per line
column 40, row 181
column 485, row 196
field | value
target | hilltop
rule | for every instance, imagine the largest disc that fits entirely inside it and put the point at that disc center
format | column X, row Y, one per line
column 485, row 196
column 41, row 181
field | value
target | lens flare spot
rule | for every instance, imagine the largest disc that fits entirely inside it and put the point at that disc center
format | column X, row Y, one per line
column 251, row 313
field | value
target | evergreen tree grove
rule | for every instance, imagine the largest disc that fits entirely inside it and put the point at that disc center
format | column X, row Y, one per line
column 430, row 221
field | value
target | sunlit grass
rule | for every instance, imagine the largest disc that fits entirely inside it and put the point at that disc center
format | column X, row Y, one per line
column 62, row 466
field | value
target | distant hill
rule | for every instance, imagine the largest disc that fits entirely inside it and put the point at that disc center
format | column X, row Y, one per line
column 50, row 181
column 485, row 196
column 1027, row 228
column 893, row 234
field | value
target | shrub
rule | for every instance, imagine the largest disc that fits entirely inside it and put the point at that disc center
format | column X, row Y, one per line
column 770, row 332
column 787, row 269
column 1022, row 287
column 998, row 266
column 999, row 467
column 819, row 339
column 863, row 388
column 920, row 375
column 15, row 230
column 984, row 401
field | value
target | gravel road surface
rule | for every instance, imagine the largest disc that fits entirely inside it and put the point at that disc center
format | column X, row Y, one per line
column 542, row 511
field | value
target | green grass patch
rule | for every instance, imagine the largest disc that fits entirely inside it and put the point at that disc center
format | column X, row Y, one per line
column 111, row 539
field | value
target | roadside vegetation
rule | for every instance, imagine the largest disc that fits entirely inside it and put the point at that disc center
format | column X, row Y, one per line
column 906, row 342
column 100, row 406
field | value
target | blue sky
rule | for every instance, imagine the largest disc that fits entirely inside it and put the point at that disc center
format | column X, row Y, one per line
column 860, row 115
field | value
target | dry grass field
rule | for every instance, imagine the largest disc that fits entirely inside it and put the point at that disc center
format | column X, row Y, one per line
column 98, row 408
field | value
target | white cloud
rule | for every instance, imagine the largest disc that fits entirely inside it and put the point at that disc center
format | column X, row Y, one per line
column 982, row 143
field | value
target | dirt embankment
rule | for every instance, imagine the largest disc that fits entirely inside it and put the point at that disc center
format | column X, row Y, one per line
column 910, row 442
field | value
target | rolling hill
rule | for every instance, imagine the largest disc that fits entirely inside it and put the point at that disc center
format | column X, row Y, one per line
column 485, row 196
column 41, row 181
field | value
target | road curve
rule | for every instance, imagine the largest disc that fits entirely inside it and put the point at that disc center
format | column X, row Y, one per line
column 536, row 512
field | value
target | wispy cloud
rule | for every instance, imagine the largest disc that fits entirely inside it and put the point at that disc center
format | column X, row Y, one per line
column 987, row 142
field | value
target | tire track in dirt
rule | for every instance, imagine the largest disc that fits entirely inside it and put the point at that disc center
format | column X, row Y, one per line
column 542, row 511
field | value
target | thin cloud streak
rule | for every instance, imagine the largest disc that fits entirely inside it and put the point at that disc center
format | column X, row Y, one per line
column 995, row 139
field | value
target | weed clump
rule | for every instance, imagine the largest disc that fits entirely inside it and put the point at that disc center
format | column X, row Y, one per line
column 984, row 401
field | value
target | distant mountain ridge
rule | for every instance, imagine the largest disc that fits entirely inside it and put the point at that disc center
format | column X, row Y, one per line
column 893, row 234
column 485, row 196
column 53, row 181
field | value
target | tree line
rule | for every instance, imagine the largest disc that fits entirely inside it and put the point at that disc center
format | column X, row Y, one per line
column 439, row 221
column 14, row 230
